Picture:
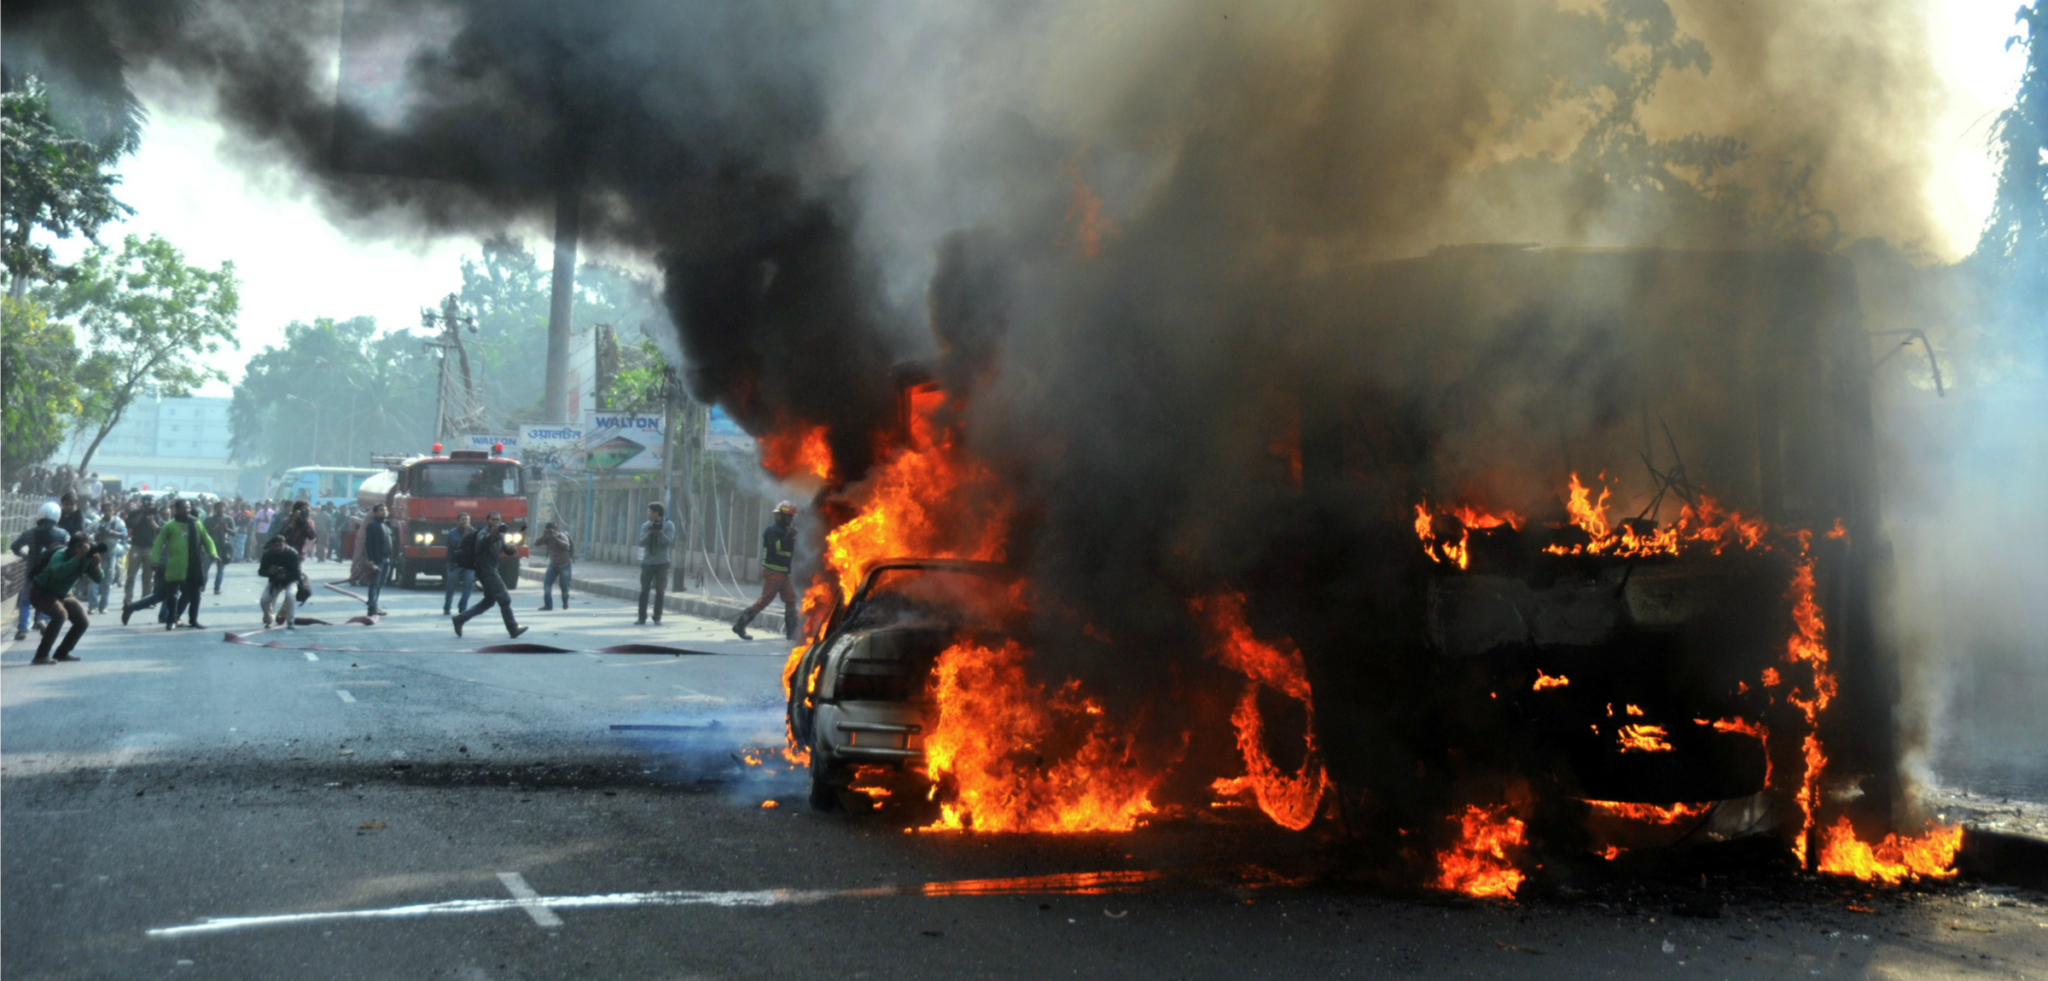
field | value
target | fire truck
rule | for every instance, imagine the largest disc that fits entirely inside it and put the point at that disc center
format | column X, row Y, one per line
column 425, row 493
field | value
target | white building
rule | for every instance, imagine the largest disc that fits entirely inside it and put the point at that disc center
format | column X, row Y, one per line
column 177, row 443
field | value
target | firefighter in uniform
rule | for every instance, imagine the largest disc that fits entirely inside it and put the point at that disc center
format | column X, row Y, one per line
column 778, row 546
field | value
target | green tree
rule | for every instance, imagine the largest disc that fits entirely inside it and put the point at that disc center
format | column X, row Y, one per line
column 150, row 319
column 2011, row 261
column 2018, row 227
column 54, row 182
column 630, row 377
column 334, row 393
column 38, row 384
column 507, row 289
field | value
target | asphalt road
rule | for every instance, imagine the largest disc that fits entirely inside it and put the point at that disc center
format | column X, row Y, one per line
column 395, row 806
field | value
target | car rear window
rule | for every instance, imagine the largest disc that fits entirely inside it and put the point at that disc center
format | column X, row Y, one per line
column 949, row 596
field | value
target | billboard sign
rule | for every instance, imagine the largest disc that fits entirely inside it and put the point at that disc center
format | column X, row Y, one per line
column 483, row 443
column 623, row 441
column 551, row 446
column 723, row 434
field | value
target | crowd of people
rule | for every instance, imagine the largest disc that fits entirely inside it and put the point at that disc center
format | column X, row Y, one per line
column 161, row 550
column 164, row 549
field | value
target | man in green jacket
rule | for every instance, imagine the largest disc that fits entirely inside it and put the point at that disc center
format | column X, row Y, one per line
column 182, row 550
column 50, row 594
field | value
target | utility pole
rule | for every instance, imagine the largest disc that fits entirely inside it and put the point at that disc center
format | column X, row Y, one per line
column 448, row 322
column 568, row 218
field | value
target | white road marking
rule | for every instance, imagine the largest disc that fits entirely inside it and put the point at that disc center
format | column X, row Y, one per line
column 616, row 900
column 1066, row 883
column 310, row 656
column 345, row 696
column 529, row 900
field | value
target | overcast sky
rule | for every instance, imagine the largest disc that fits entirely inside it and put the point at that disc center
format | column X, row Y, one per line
column 295, row 265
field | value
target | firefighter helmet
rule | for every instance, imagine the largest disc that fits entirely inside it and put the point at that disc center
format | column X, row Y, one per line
column 785, row 508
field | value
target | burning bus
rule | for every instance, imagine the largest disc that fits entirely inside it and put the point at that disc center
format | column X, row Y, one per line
column 1586, row 558
column 1639, row 496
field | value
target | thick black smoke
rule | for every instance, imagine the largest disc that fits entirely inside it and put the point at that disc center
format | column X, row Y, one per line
column 1151, row 248
column 694, row 133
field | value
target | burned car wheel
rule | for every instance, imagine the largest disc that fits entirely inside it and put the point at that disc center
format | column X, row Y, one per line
column 824, row 795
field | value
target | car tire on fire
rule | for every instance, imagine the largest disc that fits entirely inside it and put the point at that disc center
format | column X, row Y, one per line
column 824, row 793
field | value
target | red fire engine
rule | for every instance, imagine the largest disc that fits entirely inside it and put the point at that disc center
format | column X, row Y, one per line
column 425, row 493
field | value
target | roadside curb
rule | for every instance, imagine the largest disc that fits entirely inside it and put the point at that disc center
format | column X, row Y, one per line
column 708, row 609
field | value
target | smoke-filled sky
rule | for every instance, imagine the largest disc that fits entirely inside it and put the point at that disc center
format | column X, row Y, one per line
column 206, row 191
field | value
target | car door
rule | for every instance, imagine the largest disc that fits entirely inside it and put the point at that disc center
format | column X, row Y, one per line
column 802, row 713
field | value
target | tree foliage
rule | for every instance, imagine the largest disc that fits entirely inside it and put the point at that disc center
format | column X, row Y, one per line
column 2011, row 261
column 375, row 392
column 54, row 182
column 334, row 393
column 38, row 384
column 150, row 320
column 2018, row 226
column 507, row 290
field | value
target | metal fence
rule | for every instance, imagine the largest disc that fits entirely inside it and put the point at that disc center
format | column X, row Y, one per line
column 18, row 512
column 720, row 526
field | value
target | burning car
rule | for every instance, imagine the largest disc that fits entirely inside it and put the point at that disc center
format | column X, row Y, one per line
column 859, row 693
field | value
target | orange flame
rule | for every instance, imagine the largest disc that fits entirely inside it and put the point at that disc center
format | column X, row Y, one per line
column 1479, row 864
column 920, row 503
column 1458, row 553
column 1650, row 812
column 1895, row 859
column 798, row 452
column 1006, row 756
column 1807, row 646
column 1587, row 512
column 1644, row 739
column 1289, row 799
column 871, row 779
column 1705, row 525
column 1549, row 681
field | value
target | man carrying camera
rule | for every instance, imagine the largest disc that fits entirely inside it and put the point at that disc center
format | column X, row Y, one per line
column 490, row 549
column 282, row 573
column 50, row 593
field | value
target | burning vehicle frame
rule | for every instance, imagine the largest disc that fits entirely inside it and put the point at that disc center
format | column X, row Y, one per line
column 1579, row 680
column 860, row 696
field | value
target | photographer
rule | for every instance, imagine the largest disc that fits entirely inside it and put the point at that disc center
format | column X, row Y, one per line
column 50, row 593
column 491, row 547
column 281, row 571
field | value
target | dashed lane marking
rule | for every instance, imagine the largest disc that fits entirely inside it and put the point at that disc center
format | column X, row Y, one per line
column 345, row 696
column 529, row 900
column 310, row 656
